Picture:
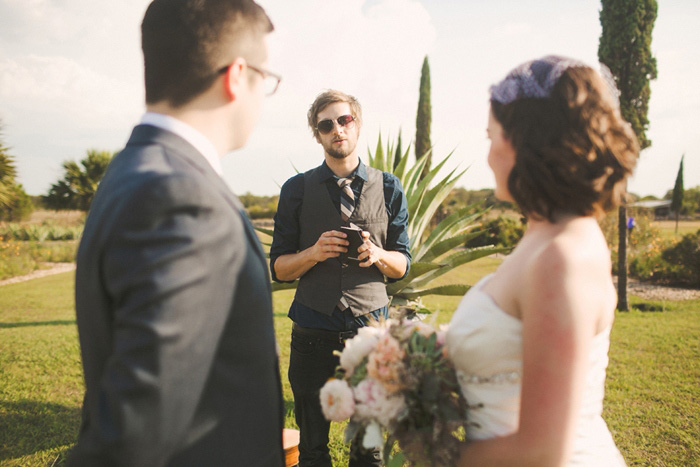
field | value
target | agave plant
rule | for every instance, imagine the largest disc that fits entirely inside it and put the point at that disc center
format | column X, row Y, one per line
column 435, row 252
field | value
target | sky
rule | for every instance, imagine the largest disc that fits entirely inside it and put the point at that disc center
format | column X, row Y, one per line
column 71, row 80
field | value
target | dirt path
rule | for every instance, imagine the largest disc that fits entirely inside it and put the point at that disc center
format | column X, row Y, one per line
column 660, row 292
column 51, row 268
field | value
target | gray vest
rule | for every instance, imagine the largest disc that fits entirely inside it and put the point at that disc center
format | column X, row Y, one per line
column 322, row 286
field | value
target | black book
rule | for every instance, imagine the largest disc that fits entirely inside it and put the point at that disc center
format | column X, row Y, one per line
column 354, row 234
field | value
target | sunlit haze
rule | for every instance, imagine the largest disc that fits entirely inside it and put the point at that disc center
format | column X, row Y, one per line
column 71, row 79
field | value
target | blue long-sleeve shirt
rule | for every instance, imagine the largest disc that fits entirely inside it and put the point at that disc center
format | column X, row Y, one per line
column 286, row 239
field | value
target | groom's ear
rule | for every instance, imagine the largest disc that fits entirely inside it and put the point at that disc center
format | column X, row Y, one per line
column 233, row 78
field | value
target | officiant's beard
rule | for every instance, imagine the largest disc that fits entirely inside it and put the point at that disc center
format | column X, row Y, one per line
column 342, row 152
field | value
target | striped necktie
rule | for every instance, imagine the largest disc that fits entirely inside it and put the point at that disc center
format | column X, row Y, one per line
column 347, row 198
column 347, row 206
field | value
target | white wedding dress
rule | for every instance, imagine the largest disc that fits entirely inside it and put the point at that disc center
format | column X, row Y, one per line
column 485, row 344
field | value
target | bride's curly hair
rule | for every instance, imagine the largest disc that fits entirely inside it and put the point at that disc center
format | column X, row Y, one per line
column 573, row 149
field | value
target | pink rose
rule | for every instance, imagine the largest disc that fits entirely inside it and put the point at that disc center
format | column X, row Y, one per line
column 373, row 403
column 385, row 363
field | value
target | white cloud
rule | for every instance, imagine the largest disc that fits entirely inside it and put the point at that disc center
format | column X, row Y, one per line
column 64, row 89
column 511, row 30
column 71, row 78
column 373, row 50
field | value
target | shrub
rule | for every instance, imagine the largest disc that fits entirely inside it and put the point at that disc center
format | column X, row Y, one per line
column 53, row 251
column 14, row 260
column 502, row 231
column 669, row 262
column 22, row 257
column 43, row 232
column 647, row 264
column 639, row 240
column 260, row 212
column 684, row 257
column 260, row 207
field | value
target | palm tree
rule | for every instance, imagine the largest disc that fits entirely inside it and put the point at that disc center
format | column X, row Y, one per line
column 79, row 184
column 7, row 179
column 8, row 174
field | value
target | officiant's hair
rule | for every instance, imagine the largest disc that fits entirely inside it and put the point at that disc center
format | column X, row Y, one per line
column 186, row 44
column 574, row 151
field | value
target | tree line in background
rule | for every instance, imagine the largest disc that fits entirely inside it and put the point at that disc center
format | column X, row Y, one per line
column 77, row 187
column 624, row 47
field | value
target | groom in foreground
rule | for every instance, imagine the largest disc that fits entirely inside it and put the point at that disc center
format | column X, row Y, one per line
column 336, row 295
column 172, row 291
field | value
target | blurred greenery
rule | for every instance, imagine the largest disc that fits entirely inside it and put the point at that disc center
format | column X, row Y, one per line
column 19, row 258
column 260, row 207
column 15, row 204
column 79, row 184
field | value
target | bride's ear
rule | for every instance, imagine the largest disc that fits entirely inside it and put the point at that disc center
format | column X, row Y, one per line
column 233, row 78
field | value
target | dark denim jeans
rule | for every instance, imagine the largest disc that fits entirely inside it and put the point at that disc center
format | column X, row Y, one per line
column 311, row 363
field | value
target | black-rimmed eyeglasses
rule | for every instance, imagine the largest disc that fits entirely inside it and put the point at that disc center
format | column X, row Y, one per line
column 271, row 81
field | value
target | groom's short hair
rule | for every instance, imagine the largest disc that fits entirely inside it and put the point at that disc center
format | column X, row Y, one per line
column 186, row 42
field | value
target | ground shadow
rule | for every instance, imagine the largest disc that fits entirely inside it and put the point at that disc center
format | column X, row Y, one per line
column 37, row 323
column 27, row 427
column 647, row 307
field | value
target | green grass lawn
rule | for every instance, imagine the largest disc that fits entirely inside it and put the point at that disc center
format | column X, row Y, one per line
column 652, row 406
column 668, row 228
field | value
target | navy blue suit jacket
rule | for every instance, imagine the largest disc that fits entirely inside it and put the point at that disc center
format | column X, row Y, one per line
column 174, row 314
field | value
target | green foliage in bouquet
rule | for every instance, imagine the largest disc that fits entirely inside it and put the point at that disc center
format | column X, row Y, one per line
column 431, row 428
column 435, row 252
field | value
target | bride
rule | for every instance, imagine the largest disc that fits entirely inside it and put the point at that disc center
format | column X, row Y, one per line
column 530, row 342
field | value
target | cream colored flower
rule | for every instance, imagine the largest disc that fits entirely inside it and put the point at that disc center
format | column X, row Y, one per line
column 337, row 400
column 357, row 348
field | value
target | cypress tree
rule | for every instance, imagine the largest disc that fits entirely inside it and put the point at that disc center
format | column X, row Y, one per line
column 677, row 202
column 398, row 153
column 625, row 48
column 424, row 118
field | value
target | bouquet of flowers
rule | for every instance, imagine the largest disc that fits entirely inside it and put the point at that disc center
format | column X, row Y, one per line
column 395, row 379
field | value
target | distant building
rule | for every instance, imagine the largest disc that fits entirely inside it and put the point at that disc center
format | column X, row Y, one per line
column 661, row 207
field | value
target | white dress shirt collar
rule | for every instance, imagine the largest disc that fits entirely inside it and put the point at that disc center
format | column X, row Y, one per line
column 200, row 142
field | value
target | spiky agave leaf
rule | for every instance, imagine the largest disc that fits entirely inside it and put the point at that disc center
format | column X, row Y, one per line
column 435, row 253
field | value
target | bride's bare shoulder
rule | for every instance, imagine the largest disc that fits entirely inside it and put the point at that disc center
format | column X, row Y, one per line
column 579, row 245
column 571, row 270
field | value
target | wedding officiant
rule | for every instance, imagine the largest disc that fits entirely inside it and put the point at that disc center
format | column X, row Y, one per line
column 336, row 294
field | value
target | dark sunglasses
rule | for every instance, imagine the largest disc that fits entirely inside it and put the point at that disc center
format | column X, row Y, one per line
column 326, row 126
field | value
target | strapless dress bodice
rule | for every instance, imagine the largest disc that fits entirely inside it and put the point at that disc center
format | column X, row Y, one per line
column 485, row 345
